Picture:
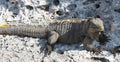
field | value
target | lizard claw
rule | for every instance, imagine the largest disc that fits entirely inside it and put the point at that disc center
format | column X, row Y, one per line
column 47, row 49
column 42, row 49
column 96, row 50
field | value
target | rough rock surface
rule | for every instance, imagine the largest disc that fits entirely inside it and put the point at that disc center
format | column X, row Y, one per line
column 27, row 49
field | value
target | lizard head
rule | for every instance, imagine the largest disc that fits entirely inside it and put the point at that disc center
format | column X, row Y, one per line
column 95, row 28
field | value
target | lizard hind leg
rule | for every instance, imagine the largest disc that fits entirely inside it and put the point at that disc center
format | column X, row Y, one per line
column 52, row 39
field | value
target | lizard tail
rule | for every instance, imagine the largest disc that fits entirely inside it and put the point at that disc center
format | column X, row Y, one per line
column 24, row 30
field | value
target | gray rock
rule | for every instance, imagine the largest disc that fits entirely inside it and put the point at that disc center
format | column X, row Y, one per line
column 27, row 49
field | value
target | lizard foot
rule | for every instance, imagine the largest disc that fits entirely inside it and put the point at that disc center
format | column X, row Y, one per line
column 94, row 49
column 47, row 49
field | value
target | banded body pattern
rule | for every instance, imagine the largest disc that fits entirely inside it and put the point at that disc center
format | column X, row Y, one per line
column 70, row 31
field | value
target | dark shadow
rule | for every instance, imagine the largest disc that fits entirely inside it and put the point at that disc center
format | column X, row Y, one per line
column 60, row 47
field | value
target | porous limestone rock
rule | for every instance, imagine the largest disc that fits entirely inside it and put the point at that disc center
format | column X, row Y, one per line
column 39, row 12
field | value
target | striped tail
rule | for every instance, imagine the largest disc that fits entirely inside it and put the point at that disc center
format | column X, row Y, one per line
column 24, row 30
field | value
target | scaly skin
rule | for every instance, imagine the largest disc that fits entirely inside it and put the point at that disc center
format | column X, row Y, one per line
column 67, row 31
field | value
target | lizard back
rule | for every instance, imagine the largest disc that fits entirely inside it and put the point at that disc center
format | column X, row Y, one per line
column 70, row 31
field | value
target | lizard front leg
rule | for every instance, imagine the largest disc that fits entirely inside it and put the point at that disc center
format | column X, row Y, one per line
column 88, row 45
column 52, row 39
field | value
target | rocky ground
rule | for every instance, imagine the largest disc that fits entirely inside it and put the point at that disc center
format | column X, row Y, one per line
column 27, row 49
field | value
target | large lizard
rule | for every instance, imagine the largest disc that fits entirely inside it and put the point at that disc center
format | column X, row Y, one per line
column 66, row 31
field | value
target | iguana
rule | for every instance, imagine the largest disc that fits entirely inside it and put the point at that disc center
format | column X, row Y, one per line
column 66, row 31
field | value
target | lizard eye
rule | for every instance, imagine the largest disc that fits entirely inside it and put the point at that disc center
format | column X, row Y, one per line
column 98, row 32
